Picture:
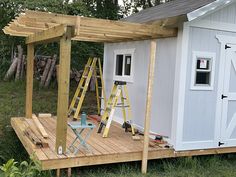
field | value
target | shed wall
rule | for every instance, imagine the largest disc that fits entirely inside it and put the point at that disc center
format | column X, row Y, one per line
column 162, row 100
column 196, row 125
column 199, row 122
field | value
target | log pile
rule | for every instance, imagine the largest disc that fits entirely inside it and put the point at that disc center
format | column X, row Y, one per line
column 45, row 68
column 17, row 67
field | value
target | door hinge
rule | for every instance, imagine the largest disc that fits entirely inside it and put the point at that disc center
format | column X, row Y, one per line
column 220, row 144
column 223, row 96
column 227, row 47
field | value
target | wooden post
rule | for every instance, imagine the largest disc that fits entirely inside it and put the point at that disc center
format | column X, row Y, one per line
column 29, row 80
column 148, row 105
column 63, row 91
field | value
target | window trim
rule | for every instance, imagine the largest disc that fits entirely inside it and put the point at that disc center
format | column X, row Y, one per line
column 195, row 56
column 124, row 77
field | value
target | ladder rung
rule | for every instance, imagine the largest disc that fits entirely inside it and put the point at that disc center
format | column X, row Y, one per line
column 85, row 77
column 88, row 66
column 108, row 109
column 100, row 87
column 98, row 76
column 77, row 98
column 120, row 106
column 101, row 98
column 73, row 109
column 81, row 87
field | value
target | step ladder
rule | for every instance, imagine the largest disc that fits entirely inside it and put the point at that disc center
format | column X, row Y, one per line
column 119, row 90
column 92, row 68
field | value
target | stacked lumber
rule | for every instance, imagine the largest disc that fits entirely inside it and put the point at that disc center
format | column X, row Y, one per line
column 36, row 132
column 36, row 140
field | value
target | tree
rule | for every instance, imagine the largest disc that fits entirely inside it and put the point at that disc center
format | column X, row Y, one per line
column 133, row 6
column 80, row 51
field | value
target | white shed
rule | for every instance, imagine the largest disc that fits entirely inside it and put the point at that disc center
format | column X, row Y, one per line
column 194, row 95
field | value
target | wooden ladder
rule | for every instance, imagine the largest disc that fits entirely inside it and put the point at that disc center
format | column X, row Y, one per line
column 77, row 101
column 112, row 104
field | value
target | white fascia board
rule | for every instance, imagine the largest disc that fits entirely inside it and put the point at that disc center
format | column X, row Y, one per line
column 209, row 8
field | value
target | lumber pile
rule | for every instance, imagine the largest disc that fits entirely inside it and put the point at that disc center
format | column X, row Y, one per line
column 36, row 140
column 36, row 132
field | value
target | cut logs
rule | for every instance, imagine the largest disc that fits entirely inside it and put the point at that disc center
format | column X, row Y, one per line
column 17, row 65
column 46, row 69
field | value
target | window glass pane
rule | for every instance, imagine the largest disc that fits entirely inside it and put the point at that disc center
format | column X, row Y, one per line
column 119, row 65
column 127, row 64
column 203, row 63
column 203, row 78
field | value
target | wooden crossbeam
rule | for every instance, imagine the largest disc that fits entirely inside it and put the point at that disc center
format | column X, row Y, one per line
column 32, row 22
column 20, row 28
column 11, row 32
column 46, row 17
column 50, row 35
column 118, row 27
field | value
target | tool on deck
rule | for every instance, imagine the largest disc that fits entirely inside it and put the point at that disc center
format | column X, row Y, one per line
column 112, row 103
column 77, row 101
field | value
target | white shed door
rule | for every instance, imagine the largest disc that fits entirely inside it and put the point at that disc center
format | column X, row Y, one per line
column 228, row 126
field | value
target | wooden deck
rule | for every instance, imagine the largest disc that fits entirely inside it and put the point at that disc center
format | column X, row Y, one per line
column 118, row 147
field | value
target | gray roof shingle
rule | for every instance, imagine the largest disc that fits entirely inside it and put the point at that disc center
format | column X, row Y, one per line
column 170, row 9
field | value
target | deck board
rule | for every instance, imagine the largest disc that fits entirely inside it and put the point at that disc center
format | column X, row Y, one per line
column 118, row 147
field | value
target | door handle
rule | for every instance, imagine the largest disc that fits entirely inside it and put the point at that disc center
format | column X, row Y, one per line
column 223, row 96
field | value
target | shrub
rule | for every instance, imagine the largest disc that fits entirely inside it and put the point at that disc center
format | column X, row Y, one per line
column 23, row 169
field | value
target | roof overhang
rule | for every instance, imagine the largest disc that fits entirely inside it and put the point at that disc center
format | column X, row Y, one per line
column 34, row 23
column 209, row 8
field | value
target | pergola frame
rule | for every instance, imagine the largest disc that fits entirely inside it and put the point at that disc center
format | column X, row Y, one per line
column 42, row 27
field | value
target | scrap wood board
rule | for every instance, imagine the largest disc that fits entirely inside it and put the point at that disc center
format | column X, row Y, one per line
column 35, row 140
column 39, row 126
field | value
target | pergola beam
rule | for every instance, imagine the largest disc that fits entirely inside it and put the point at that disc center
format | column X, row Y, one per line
column 50, row 35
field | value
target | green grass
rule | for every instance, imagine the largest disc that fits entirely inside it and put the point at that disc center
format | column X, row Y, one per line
column 12, row 103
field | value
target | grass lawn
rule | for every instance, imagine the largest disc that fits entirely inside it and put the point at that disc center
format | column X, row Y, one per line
column 12, row 103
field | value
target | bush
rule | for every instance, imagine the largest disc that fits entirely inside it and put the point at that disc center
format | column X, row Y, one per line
column 23, row 169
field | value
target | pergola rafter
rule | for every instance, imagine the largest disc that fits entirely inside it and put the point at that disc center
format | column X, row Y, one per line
column 86, row 29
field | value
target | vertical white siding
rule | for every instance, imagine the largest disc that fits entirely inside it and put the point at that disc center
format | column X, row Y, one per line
column 200, row 106
column 161, row 116
column 225, row 15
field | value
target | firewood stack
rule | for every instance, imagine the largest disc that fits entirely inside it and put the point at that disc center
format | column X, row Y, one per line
column 17, row 67
column 45, row 68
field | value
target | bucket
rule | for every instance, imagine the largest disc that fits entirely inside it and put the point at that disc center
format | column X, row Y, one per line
column 83, row 118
